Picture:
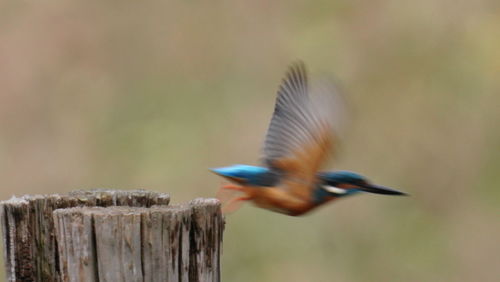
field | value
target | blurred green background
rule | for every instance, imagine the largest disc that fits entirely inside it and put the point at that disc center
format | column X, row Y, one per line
column 150, row 94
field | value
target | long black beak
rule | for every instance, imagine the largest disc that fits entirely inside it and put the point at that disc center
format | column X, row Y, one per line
column 377, row 189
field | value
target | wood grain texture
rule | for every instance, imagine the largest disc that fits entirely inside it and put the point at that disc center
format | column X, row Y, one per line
column 206, row 237
column 30, row 249
column 166, row 243
column 162, row 243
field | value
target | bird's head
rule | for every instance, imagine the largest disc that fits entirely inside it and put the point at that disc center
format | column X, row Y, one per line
column 343, row 183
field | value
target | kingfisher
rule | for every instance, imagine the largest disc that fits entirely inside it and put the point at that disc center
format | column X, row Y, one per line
column 300, row 139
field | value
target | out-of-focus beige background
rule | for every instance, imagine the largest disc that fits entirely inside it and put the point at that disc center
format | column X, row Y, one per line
column 152, row 94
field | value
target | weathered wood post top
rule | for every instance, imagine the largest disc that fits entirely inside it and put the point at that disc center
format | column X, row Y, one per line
column 108, row 235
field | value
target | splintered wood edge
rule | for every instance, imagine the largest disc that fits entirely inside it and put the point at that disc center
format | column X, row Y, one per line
column 204, row 202
column 15, row 201
column 125, row 210
column 84, row 196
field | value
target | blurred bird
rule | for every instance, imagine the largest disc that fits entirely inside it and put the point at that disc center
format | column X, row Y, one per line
column 299, row 140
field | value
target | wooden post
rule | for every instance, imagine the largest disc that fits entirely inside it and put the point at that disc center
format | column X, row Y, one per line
column 111, row 236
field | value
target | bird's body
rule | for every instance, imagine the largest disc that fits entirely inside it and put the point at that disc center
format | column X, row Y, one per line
column 278, row 200
column 262, row 185
column 299, row 140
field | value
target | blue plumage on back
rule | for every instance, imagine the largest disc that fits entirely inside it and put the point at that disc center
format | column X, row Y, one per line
column 250, row 175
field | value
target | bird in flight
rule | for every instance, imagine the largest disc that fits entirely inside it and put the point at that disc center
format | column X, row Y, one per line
column 299, row 140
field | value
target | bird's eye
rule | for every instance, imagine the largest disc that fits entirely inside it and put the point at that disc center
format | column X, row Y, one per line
column 335, row 190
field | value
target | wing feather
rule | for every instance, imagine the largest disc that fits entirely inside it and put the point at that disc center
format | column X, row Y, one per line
column 300, row 136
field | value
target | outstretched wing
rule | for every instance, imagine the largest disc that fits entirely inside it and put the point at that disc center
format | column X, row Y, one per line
column 300, row 136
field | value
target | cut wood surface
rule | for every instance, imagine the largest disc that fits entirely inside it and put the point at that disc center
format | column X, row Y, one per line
column 106, row 235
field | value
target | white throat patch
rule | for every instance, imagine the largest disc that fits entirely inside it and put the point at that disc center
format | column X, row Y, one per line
column 333, row 189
